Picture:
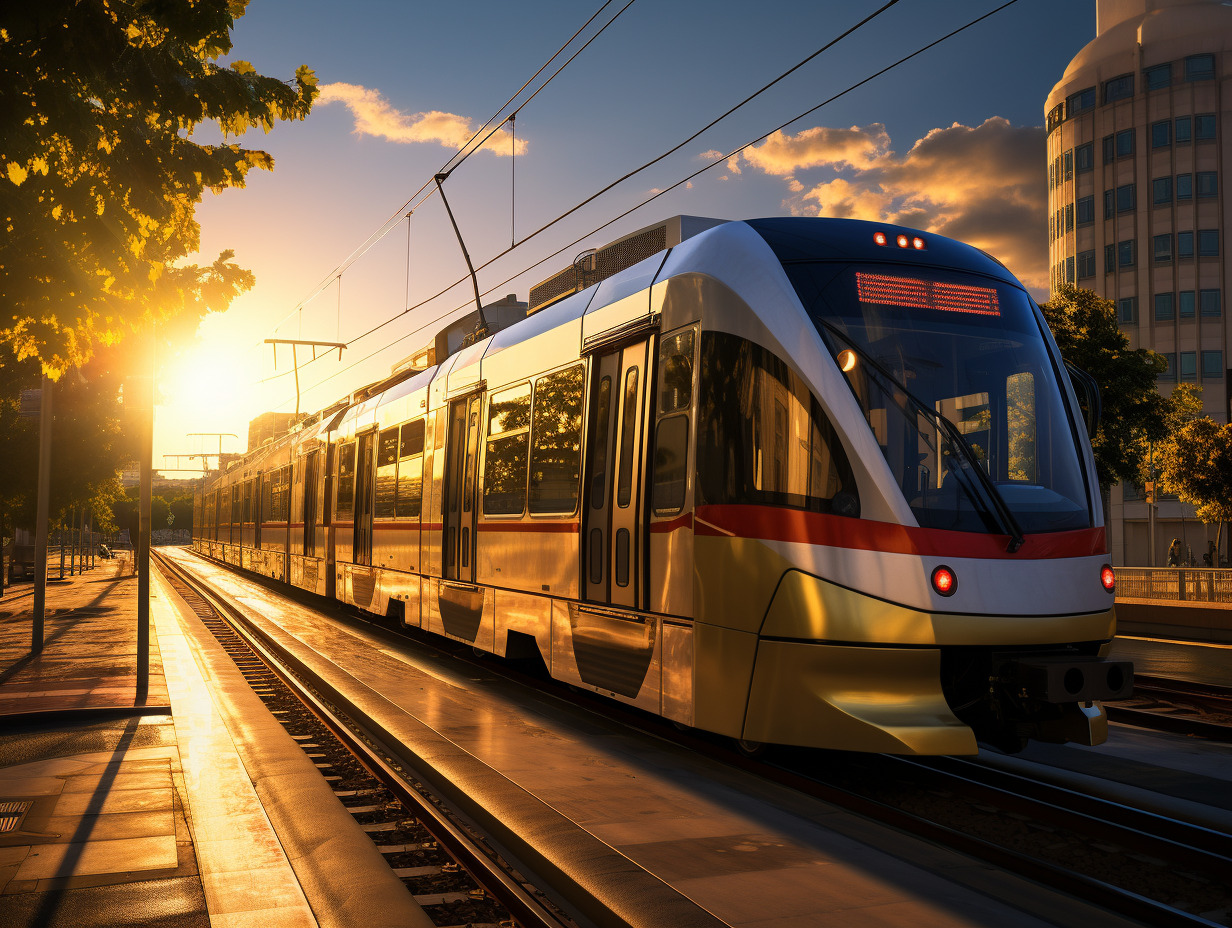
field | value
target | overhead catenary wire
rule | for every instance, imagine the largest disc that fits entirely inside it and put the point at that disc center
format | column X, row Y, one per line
column 427, row 188
column 514, row 243
column 638, row 205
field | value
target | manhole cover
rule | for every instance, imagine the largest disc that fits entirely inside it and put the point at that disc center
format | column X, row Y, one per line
column 12, row 812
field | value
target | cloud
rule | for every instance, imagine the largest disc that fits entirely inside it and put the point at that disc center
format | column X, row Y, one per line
column 375, row 116
column 786, row 154
column 984, row 185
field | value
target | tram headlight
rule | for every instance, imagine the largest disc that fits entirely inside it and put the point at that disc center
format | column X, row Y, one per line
column 1107, row 576
column 846, row 360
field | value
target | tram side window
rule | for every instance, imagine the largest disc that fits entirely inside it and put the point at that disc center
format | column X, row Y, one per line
column 671, row 453
column 386, row 474
column 410, row 470
column 556, row 442
column 505, row 460
column 762, row 437
column 237, row 505
column 346, row 479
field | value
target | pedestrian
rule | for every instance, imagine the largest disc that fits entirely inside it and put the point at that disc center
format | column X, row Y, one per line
column 1174, row 553
column 1208, row 559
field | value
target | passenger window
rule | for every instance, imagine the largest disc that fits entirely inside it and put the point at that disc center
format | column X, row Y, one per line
column 346, row 479
column 386, row 473
column 602, row 418
column 761, row 435
column 506, row 456
column 670, row 463
column 410, row 470
column 556, row 442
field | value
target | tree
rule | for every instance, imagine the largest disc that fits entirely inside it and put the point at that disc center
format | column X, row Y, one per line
column 99, row 176
column 1197, row 466
column 1134, row 414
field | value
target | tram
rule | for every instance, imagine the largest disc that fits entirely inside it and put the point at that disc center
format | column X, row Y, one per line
column 816, row 482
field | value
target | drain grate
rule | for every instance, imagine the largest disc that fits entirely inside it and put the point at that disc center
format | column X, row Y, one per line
column 12, row 812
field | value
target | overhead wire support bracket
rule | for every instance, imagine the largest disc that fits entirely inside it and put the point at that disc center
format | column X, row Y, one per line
column 294, row 343
column 481, row 330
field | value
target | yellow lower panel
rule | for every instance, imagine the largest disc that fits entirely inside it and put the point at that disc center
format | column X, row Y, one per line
column 854, row 699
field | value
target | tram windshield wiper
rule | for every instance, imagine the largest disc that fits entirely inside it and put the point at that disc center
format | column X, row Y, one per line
column 990, row 500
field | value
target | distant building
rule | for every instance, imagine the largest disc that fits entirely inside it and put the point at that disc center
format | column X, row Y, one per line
column 268, row 425
column 1139, row 151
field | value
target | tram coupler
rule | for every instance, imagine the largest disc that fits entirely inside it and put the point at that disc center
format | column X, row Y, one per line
column 1072, row 680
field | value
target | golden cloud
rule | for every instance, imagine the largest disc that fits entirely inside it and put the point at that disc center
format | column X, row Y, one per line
column 375, row 116
column 783, row 155
column 984, row 185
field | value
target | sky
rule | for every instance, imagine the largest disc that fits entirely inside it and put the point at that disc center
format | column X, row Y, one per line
column 950, row 142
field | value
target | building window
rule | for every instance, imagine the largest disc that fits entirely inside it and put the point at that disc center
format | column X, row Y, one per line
column 1069, row 270
column 1165, row 311
column 1109, row 258
column 1161, row 191
column 1204, row 127
column 1161, row 134
column 1086, row 264
column 1069, row 217
column 1126, row 198
column 1126, row 253
column 1085, row 207
column 1125, row 143
column 1127, row 310
column 1084, row 158
column 1199, row 67
column 1158, row 77
column 1184, row 186
column 1208, row 301
column 1163, row 248
column 1184, row 245
column 1169, row 372
column 1185, row 304
column 1109, row 204
column 1056, row 116
column 1068, row 160
column 1184, row 130
column 1109, row 149
column 1208, row 243
column 1080, row 102
column 1119, row 88
column 1212, row 365
column 1189, row 366
column 1208, row 184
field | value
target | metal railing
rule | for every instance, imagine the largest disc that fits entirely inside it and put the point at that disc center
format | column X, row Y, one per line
column 1187, row 584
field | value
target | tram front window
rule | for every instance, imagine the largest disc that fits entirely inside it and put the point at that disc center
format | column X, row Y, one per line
column 952, row 373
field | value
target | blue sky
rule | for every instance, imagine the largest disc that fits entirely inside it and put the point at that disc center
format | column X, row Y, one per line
column 660, row 72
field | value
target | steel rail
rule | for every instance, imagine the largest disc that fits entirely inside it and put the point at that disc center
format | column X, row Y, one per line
column 526, row 910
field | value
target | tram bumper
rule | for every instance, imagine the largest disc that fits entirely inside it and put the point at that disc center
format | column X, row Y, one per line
column 880, row 699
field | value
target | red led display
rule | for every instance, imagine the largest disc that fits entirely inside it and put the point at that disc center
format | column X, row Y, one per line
column 927, row 294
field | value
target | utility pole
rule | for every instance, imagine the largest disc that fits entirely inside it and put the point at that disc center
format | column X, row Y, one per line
column 40, row 519
column 146, row 413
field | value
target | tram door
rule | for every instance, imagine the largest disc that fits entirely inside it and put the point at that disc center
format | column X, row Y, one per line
column 461, row 461
column 614, row 525
column 364, row 499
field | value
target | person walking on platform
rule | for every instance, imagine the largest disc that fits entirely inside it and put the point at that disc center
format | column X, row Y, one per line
column 1174, row 553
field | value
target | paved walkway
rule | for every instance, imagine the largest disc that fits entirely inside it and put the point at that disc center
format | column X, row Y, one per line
column 118, row 812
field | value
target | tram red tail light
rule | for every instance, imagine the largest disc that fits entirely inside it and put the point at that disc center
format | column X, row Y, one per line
column 902, row 241
column 917, row 243
column 879, row 238
column 945, row 581
column 1107, row 576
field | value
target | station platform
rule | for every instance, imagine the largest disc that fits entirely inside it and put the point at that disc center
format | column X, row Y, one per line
column 116, row 811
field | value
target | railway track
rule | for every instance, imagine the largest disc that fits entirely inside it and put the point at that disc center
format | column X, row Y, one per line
column 1140, row 864
column 1177, row 706
column 454, row 874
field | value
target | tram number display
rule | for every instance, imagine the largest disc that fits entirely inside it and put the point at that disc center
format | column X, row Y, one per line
column 916, row 293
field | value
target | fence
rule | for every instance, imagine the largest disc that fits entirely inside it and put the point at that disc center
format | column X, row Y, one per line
column 1189, row 584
